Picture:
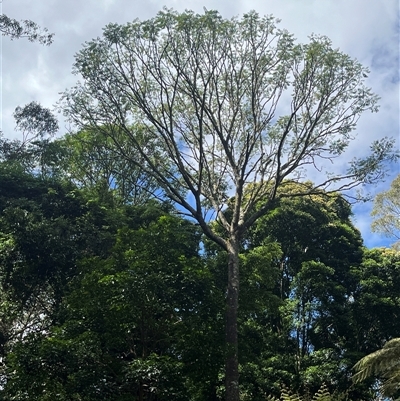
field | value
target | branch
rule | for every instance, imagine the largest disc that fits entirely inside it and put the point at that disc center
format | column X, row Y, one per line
column 25, row 29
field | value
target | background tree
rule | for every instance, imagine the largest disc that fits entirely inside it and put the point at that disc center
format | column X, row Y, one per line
column 296, row 321
column 35, row 152
column 376, row 300
column 376, row 317
column 94, row 162
column 46, row 226
column 197, row 97
column 320, row 247
column 386, row 212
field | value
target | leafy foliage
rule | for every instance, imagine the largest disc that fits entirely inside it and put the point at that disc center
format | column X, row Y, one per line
column 376, row 305
column 35, row 152
column 376, row 301
column 92, row 161
column 24, row 29
column 386, row 211
column 35, row 121
column 132, row 324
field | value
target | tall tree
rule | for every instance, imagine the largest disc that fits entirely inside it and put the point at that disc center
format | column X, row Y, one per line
column 197, row 97
column 386, row 212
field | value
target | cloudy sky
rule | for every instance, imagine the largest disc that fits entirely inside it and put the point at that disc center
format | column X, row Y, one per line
column 365, row 29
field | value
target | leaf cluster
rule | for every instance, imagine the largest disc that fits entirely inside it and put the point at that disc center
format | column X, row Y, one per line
column 25, row 29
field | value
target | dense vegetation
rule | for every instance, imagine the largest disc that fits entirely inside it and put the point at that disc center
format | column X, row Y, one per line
column 106, row 299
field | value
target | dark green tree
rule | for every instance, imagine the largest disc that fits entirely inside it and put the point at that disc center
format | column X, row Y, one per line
column 298, row 329
column 45, row 228
column 141, row 324
column 376, row 310
column 376, row 301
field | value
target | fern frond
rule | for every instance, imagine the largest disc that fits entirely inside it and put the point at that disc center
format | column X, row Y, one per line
column 384, row 363
column 322, row 394
column 392, row 383
column 379, row 361
column 287, row 396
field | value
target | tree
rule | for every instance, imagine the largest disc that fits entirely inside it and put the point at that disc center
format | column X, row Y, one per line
column 298, row 331
column 93, row 162
column 386, row 211
column 376, row 300
column 35, row 215
column 35, row 152
column 45, row 228
column 35, row 122
column 24, row 29
column 376, row 323
column 320, row 246
column 197, row 97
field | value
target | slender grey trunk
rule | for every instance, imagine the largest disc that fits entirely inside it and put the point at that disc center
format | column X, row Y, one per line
column 232, row 362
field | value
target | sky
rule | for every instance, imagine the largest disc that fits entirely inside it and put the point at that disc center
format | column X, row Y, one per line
column 367, row 30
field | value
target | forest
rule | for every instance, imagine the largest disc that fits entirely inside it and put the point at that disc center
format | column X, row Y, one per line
column 106, row 296
column 121, row 242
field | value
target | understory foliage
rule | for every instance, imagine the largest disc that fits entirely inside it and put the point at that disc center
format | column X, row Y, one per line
column 321, row 395
column 384, row 363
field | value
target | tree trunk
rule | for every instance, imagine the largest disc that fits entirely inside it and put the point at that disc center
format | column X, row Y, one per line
column 232, row 362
